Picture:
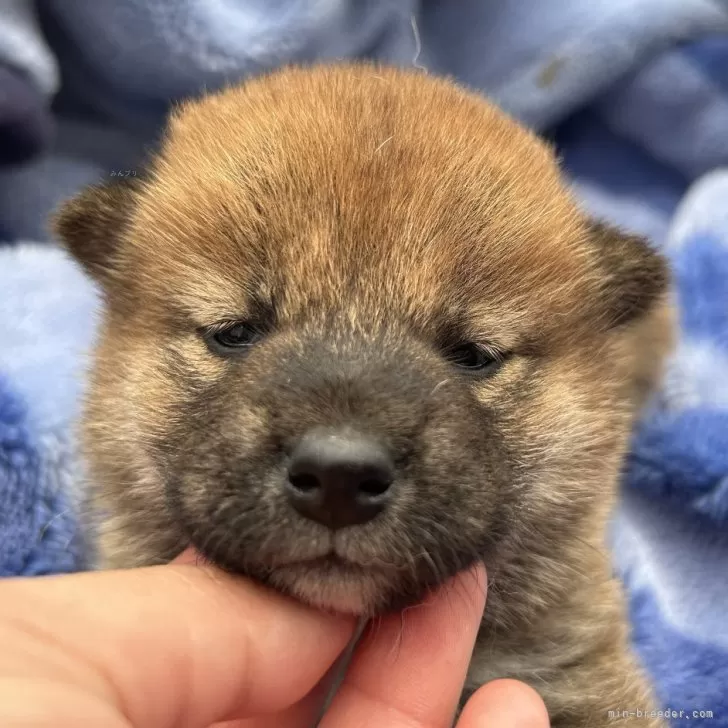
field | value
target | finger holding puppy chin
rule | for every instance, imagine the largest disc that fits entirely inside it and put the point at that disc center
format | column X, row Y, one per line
column 159, row 647
column 409, row 669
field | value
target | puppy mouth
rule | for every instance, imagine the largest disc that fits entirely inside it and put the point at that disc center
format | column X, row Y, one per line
column 336, row 584
column 328, row 562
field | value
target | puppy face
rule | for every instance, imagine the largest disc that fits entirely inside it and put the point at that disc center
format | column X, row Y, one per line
column 357, row 336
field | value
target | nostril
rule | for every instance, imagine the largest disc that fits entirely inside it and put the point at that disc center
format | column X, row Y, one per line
column 304, row 482
column 375, row 486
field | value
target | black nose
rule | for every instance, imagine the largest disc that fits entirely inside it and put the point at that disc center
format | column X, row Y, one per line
column 339, row 478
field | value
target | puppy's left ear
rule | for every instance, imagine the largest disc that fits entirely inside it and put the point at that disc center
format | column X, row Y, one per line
column 634, row 276
column 91, row 225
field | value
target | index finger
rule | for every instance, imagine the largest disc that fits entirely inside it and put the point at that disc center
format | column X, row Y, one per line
column 159, row 647
column 410, row 668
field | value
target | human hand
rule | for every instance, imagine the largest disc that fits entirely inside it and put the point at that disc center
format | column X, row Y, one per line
column 181, row 645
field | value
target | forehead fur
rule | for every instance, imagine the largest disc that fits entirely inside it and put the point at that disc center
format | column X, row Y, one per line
column 360, row 184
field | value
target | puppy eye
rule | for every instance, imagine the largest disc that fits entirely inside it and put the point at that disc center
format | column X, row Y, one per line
column 475, row 358
column 233, row 337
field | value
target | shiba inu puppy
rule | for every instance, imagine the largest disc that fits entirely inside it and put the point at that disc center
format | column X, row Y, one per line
column 357, row 336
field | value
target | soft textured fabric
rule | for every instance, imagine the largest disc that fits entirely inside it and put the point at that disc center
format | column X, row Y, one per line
column 47, row 313
column 681, row 451
column 28, row 77
column 23, row 46
column 633, row 93
column 25, row 121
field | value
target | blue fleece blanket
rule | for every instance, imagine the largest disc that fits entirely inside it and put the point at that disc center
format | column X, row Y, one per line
column 634, row 93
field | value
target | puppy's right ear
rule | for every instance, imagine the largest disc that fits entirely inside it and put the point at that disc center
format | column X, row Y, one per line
column 91, row 225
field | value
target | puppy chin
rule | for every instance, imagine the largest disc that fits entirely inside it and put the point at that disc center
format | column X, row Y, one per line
column 338, row 590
